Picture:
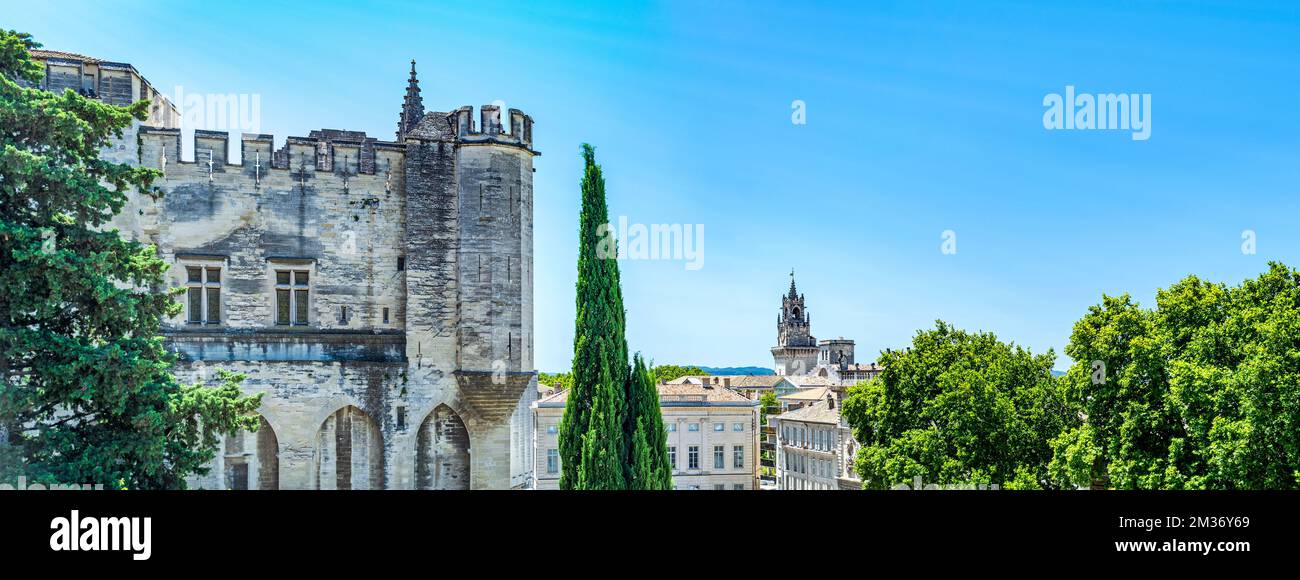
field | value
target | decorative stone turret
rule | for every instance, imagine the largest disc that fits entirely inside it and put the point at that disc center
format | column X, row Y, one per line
column 412, row 106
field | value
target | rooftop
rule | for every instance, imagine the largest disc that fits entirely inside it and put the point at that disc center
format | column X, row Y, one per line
column 819, row 412
column 685, row 394
column 812, row 394
column 737, row 381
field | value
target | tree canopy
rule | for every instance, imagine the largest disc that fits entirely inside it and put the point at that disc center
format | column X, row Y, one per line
column 1200, row 393
column 87, row 393
column 957, row 408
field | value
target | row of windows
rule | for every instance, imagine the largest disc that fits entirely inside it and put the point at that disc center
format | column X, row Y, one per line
column 692, row 458
column 810, row 438
column 719, row 457
column 695, row 427
column 797, row 463
column 292, row 297
column 672, row 428
column 797, row 483
column 716, row 487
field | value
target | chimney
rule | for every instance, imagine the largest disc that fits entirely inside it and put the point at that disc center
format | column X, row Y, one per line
column 830, row 400
column 726, row 382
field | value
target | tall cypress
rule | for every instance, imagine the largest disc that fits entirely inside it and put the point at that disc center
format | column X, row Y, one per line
column 599, row 345
column 648, row 451
column 601, row 465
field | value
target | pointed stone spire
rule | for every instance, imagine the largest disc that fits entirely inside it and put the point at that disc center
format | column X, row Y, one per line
column 793, row 293
column 412, row 106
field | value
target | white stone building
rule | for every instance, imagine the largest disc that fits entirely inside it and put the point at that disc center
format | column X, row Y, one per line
column 712, row 432
column 815, row 448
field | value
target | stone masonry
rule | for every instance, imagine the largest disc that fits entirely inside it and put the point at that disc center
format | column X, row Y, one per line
column 377, row 293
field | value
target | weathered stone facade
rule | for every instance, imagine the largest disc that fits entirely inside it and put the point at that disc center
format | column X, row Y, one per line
column 378, row 294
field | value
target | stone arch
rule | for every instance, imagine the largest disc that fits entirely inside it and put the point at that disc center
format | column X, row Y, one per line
column 252, row 460
column 442, row 451
column 349, row 451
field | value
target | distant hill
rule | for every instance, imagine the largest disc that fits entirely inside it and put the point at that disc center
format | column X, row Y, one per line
column 738, row 370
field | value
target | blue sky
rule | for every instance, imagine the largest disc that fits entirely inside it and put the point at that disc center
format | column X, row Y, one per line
column 921, row 118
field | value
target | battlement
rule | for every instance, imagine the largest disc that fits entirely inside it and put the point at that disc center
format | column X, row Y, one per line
column 326, row 150
column 490, row 129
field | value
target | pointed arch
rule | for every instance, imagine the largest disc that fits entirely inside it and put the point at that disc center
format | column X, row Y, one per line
column 442, row 451
column 251, row 460
column 349, row 451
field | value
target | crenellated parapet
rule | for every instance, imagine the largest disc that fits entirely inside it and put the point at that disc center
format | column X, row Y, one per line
column 341, row 154
column 489, row 129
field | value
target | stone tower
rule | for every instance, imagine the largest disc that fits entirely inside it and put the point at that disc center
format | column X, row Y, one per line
column 378, row 294
column 469, row 240
column 796, row 349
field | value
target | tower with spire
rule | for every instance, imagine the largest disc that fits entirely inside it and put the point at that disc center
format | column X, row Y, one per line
column 796, row 349
column 412, row 106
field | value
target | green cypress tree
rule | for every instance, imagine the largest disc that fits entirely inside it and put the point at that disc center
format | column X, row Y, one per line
column 648, row 452
column 598, row 339
column 87, row 393
column 601, row 465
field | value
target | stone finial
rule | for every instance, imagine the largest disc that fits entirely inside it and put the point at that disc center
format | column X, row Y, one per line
column 412, row 106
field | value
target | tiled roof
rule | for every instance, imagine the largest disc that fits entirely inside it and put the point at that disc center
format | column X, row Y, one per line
column 737, row 381
column 558, row 397
column 676, row 394
column 47, row 54
column 812, row 394
column 819, row 412
column 812, row 381
column 716, row 394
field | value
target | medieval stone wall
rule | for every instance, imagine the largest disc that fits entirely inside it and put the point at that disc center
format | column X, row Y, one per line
column 378, row 295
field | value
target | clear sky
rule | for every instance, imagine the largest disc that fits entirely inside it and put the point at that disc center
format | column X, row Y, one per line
column 921, row 118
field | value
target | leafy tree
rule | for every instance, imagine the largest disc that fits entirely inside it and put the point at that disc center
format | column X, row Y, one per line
column 767, row 404
column 561, row 381
column 957, row 408
column 673, row 372
column 1200, row 393
column 600, row 363
column 648, row 455
column 87, row 395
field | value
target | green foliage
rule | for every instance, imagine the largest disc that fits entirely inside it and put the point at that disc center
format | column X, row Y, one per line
column 1200, row 393
column 561, row 381
column 601, row 465
column 957, row 409
column 672, row 372
column 87, row 395
column 600, row 362
column 767, row 404
column 649, row 468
